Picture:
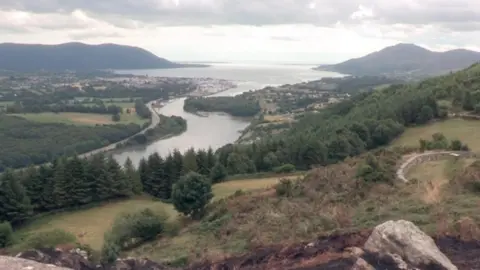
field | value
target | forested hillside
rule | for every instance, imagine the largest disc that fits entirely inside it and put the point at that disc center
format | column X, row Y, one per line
column 235, row 106
column 25, row 142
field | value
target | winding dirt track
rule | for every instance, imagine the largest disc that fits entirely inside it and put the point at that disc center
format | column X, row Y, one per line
column 424, row 157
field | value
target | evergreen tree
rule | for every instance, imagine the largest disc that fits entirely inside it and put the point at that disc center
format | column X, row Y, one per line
column 15, row 205
column 203, row 163
column 81, row 190
column 61, row 187
column 170, row 174
column 156, row 180
column 103, row 185
column 34, row 185
column 133, row 176
column 121, row 186
column 144, row 172
column 47, row 200
column 211, row 159
column 190, row 161
column 177, row 164
column 218, row 173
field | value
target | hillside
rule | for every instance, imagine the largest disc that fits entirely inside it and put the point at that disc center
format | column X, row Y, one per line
column 406, row 60
column 79, row 56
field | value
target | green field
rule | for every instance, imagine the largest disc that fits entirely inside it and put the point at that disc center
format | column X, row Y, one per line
column 89, row 225
column 465, row 130
column 81, row 118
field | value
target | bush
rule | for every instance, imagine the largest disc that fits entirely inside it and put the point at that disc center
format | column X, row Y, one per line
column 6, row 234
column 50, row 239
column 132, row 228
column 287, row 188
column 191, row 194
column 286, row 168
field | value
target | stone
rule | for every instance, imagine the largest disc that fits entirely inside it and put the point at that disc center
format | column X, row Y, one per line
column 361, row 264
column 15, row 263
column 406, row 240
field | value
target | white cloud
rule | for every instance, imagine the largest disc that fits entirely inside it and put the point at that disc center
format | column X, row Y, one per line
column 296, row 30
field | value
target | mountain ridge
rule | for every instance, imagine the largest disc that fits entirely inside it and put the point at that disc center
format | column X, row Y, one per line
column 404, row 60
column 80, row 56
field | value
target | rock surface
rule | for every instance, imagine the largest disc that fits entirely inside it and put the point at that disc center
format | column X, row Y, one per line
column 406, row 240
column 12, row 263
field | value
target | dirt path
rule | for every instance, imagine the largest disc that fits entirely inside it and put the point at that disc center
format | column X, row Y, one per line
column 419, row 158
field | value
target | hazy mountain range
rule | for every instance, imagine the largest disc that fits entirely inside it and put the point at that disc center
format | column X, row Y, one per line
column 406, row 60
column 79, row 56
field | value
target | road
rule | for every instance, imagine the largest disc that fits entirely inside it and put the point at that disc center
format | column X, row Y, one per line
column 155, row 120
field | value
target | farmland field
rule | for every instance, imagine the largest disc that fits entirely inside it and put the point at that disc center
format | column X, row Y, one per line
column 81, row 118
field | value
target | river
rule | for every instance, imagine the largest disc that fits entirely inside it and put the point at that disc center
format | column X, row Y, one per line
column 217, row 129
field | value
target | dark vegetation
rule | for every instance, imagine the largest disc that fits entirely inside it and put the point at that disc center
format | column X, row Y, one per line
column 440, row 142
column 235, row 106
column 168, row 126
column 406, row 60
column 356, row 84
column 25, row 142
column 79, row 56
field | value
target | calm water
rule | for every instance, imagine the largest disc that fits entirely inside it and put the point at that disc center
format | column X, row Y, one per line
column 217, row 130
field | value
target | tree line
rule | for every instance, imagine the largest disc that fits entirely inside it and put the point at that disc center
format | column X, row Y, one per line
column 236, row 106
column 26, row 142
column 18, row 107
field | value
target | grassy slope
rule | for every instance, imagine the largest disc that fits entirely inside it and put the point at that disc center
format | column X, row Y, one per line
column 96, row 221
column 465, row 130
column 333, row 199
column 81, row 118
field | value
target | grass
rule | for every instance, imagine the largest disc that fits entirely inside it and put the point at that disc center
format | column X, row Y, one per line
column 94, row 222
column 80, row 118
column 465, row 130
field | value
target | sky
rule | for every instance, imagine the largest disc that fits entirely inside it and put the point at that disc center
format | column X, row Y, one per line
column 289, row 31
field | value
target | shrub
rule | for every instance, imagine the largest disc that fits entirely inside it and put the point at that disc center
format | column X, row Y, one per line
column 286, row 168
column 6, row 234
column 132, row 228
column 50, row 239
column 191, row 194
column 287, row 188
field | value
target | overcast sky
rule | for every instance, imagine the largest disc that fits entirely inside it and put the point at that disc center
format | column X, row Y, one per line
column 315, row 31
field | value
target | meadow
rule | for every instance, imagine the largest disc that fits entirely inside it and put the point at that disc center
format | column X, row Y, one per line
column 89, row 119
column 465, row 130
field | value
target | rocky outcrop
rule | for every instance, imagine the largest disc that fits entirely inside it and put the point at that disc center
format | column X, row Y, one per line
column 393, row 245
column 76, row 260
column 406, row 242
column 12, row 263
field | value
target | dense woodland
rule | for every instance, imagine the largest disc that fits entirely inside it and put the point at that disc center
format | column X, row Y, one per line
column 25, row 142
column 355, row 84
column 236, row 106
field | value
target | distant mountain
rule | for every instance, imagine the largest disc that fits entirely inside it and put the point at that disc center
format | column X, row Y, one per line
column 79, row 56
column 406, row 60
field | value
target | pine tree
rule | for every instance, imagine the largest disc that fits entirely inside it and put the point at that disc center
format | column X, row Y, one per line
column 190, row 161
column 157, row 177
column 121, row 187
column 81, row 190
column 47, row 201
column 61, row 187
column 170, row 174
column 144, row 172
column 99, row 176
column 34, row 185
column 218, row 173
column 202, row 162
column 177, row 164
column 15, row 205
column 133, row 176
column 211, row 159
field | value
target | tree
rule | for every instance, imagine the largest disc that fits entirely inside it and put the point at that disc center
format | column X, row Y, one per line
column 34, row 185
column 218, row 173
column 61, row 185
column 116, row 117
column 144, row 172
column 191, row 194
column 156, row 182
column 15, row 205
column 190, row 161
column 211, row 159
column 425, row 115
column 81, row 190
column 468, row 102
column 203, row 163
column 121, row 187
column 477, row 108
column 133, row 177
